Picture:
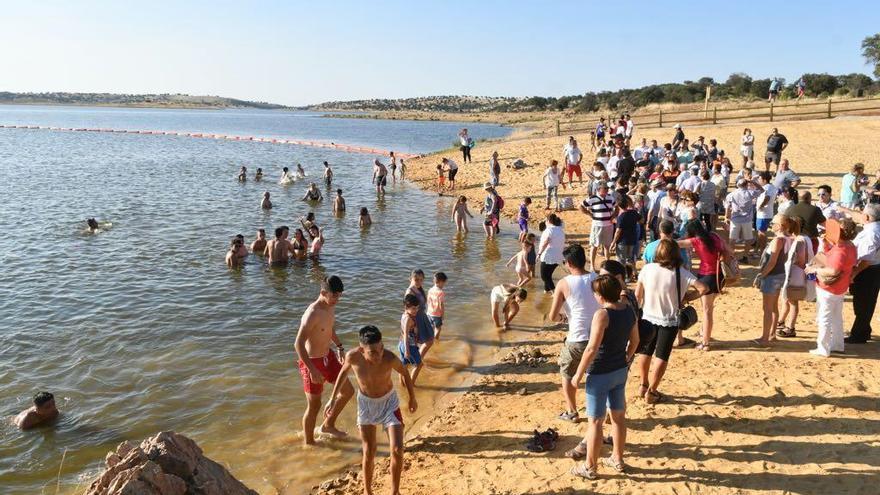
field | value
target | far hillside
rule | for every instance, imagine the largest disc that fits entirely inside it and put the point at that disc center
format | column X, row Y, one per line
column 132, row 100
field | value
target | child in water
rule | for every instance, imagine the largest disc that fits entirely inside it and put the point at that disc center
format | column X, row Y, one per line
column 339, row 202
column 402, row 169
column 532, row 257
column 506, row 298
column 437, row 303
column 317, row 236
column 441, row 179
column 259, row 244
column 521, row 267
column 408, row 345
column 266, row 204
column 365, row 220
column 460, row 213
column 242, row 174
column 522, row 218
column 259, row 175
column 233, row 260
column 285, row 177
column 328, row 174
column 300, row 173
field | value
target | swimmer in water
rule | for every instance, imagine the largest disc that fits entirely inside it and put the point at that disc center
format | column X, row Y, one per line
column 328, row 174
column 279, row 249
column 308, row 221
column 460, row 213
column 380, row 174
column 93, row 224
column 259, row 244
column 286, row 178
column 300, row 173
column 317, row 236
column 242, row 250
column 259, row 176
column 266, row 204
column 365, row 220
column 339, row 203
column 299, row 245
column 41, row 413
column 242, row 174
column 313, row 194
column 232, row 258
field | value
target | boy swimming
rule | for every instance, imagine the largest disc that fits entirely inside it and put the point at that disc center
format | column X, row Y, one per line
column 378, row 403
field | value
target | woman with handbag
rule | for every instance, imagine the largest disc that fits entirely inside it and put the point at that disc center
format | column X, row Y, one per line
column 771, row 279
column 659, row 291
column 711, row 250
column 795, row 288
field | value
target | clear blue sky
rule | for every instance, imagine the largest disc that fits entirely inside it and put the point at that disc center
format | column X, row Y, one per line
column 308, row 52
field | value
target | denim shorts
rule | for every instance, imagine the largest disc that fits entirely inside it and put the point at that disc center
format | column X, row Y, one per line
column 772, row 284
column 606, row 391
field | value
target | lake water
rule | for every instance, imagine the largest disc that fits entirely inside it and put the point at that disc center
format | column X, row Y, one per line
column 141, row 328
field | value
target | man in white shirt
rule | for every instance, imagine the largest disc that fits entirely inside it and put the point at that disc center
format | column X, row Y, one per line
column 657, row 192
column 642, row 150
column 865, row 285
column 683, row 176
column 692, row 183
column 630, row 126
column 657, row 151
column 572, row 159
column 764, row 205
column 611, row 167
column 828, row 206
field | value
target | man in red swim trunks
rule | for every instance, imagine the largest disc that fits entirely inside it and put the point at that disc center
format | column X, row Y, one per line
column 322, row 364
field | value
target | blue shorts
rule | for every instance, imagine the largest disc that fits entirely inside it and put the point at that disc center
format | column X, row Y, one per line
column 606, row 391
column 523, row 225
column 436, row 321
column 762, row 224
column 414, row 357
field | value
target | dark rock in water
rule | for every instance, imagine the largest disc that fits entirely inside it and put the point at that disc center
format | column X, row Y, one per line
column 165, row 464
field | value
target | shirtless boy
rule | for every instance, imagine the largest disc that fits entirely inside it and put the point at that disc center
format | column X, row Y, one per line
column 320, row 363
column 380, row 174
column 259, row 244
column 328, row 174
column 339, row 203
column 44, row 411
column 279, row 249
column 377, row 401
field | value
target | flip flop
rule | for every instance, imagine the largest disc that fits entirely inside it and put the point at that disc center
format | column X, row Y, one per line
column 686, row 342
column 760, row 344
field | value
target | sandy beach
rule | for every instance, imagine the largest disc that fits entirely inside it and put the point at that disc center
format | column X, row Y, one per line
column 738, row 419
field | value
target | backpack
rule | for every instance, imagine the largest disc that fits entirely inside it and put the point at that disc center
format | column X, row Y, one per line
column 499, row 203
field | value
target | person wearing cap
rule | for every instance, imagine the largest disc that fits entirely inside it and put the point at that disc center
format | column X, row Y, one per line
column 678, row 139
column 866, row 277
column 776, row 143
column 740, row 208
column 572, row 157
column 601, row 208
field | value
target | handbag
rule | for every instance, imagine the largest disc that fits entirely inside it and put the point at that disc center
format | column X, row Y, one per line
column 794, row 291
column 687, row 314
column 730, row 269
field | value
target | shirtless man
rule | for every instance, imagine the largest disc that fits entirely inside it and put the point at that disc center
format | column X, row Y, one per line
column 259, row 244
column 328, row 174
column 339, row 203
column 321, row 364
column 279, row 249
column 377, row 401
column 42, row 412
column 380, row 176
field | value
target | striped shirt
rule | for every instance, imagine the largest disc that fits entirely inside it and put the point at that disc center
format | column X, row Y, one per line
column 601, row 209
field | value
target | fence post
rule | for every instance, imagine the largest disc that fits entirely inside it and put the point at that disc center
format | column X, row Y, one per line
column 661, row 118
column 714, row 115
column 829, row 107
column 771, row 111
column 557, row 128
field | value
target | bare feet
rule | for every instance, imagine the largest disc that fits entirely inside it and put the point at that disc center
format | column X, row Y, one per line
column 332, row 431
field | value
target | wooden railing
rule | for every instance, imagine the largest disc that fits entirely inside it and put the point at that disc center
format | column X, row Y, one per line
column 772, row 112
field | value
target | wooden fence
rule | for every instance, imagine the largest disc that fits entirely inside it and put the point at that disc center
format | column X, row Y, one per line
column 772, row 113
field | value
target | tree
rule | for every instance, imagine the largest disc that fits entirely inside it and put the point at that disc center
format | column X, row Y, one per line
column 871, row 52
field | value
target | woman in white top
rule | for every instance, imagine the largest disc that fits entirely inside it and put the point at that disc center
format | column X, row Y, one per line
column 747, row 148
column 658, row 296
column 550, row 250
column 669, row 206
column 551, row 183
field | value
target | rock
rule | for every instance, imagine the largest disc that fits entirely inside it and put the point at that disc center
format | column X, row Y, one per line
column 165, row 464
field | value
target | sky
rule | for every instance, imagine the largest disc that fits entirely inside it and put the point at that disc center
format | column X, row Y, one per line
column 297, row 53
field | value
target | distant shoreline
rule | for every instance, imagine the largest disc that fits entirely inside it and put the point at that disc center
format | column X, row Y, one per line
column 142, row 105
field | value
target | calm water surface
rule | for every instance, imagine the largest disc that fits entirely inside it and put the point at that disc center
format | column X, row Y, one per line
column 141, row 328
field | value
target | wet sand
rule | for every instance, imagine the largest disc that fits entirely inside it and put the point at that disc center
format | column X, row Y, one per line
column 738, row 419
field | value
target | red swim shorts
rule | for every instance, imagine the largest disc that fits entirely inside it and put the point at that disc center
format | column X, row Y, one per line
column 328, row 366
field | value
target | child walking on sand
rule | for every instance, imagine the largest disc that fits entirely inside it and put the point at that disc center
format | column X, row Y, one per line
column 460, row 213
column 521, row 258
column 522, row 218
column 378, row 403
column 437, row 303
column 506, row 298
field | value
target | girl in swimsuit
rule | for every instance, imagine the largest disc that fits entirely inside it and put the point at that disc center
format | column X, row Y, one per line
column 300, row 244
column 506, row 297
column 460, row 213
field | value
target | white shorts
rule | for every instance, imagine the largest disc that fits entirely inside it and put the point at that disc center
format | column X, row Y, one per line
column 741, row 232
column 383, row 410
column 601, row 235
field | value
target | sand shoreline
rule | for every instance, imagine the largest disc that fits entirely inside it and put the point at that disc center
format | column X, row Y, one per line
column 738, row 419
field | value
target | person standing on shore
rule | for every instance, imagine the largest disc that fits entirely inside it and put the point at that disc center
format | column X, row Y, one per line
column 551, row 183
column 317, row 363
column 865, row 284
column 678, row 140
column 601, row 209
column 575, row 292
column 380, row 174
column 747, row 146
column 451, row 170
column 550, row 250
column 494, row 170
column 776, row 144
column 465, row 141
column 600, row 132
column 850, row 186
column 572, row 156
column 833, row 267
column 378, row 403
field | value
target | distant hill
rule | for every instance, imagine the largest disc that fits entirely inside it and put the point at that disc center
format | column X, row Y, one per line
column 468, row 104
column 131, row 100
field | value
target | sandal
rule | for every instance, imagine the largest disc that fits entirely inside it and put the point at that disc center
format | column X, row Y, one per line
column 653, row 397
column 615, row 465
column 543, row 442
column 583, row 471
column 643, row 389
column 571, row 417
column 686, row 342
column 786, row 332
column 577, row 453
column 702, row 347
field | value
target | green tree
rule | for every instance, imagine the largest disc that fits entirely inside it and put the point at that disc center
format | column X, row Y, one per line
column 871, row 52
